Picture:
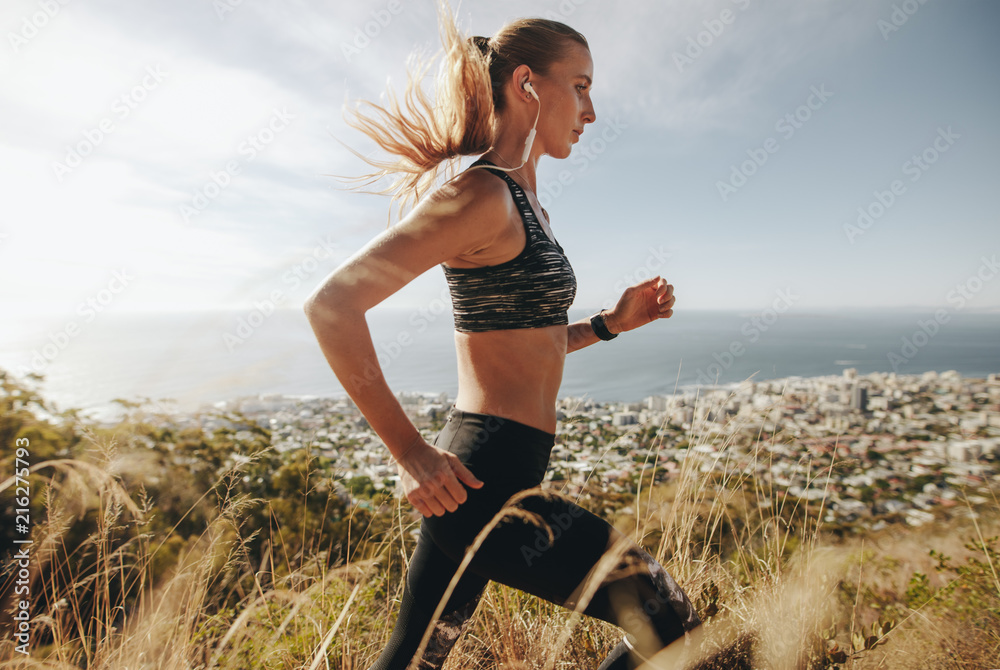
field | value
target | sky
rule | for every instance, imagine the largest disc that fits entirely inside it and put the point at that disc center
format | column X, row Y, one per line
column 175, row 156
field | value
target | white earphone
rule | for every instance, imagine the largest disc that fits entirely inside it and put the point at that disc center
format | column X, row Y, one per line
column 531, row 134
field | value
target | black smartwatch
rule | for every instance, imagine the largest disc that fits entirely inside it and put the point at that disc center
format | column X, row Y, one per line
column 601, row 328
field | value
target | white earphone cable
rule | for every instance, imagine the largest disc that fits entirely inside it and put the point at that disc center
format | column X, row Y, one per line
column 531, row 135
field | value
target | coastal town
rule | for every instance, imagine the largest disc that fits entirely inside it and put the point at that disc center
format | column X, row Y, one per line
column 876, row 449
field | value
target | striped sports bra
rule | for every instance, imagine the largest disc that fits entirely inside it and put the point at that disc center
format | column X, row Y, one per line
column 532, row 290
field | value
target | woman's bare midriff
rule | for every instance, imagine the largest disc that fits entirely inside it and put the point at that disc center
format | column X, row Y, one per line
column 513, row 374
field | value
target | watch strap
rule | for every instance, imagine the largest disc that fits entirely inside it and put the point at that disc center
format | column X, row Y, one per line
column 600, row 327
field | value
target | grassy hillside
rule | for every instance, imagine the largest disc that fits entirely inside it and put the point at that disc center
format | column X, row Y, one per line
column 166, row 544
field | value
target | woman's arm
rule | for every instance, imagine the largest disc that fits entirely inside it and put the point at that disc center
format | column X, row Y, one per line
column 456, row 219
column 581, row 334
column 452, row 221
column 346, row 343
column 640, row 304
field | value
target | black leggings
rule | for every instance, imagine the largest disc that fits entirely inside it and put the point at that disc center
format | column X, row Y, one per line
column 508, row 456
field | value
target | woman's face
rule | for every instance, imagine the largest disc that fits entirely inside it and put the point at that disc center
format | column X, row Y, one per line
column 566, row 107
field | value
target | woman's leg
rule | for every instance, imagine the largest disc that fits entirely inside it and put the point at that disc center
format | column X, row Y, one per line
column 633, row 591
column 426, row 581
column 630, row 590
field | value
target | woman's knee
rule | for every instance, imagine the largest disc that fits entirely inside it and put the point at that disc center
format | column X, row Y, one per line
column 557, row 529
column 646, row 601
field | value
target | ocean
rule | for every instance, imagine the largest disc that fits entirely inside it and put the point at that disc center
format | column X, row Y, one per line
column 199, row 358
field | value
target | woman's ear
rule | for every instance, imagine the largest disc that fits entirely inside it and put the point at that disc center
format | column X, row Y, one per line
column 521, row 74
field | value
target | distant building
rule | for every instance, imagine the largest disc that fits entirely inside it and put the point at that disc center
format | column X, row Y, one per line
column 859, row 398
column 964, row 451
column 624, row 419
column 878, row 402
column 656, row 403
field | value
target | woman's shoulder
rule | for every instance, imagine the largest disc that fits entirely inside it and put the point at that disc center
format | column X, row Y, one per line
column 461, row 217
column 473, row 195
column 475, row 183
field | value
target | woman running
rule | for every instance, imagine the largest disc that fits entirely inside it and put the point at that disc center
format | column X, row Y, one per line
column 512, row 98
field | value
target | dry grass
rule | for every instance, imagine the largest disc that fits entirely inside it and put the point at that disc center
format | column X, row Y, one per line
column 782, row 582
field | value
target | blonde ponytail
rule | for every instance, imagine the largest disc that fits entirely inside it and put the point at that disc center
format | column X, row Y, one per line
column 462, row 120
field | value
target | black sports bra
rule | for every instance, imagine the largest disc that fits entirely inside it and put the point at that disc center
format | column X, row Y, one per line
column 532, row 290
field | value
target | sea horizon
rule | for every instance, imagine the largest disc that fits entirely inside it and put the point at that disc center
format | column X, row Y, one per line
column 200, row 358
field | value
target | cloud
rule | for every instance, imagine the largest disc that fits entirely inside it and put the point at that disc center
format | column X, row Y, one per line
column 225, row 77
column 696, row 67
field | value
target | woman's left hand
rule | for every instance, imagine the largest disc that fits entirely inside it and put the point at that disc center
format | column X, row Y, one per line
column 640, row 304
